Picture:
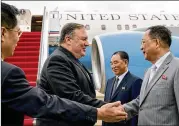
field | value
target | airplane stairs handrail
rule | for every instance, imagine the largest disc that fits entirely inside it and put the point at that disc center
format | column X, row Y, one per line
column 43, row 52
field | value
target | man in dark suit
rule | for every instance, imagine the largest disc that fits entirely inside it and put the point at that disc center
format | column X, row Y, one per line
column 19, row 98
column 123, row 87
column 63, row 74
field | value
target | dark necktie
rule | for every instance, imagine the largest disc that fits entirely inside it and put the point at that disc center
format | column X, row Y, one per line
column 115, row 85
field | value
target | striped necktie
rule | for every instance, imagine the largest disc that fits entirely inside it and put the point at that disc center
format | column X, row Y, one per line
column 152, row 72
column 115, row 85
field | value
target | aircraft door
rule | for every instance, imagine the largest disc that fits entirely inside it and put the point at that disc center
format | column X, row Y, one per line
column 54, row 22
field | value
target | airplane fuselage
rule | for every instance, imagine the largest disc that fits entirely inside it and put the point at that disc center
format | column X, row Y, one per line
column 99, row 23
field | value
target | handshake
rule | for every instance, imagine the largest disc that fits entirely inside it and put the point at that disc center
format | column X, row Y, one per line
column 111, row 112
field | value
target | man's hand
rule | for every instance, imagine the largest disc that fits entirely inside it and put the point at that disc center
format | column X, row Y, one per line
column 111, row 112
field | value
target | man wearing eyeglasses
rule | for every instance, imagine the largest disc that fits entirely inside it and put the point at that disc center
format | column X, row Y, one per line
column 19, row 98
column 158, row 103
column 64, row 75
column 13, row 38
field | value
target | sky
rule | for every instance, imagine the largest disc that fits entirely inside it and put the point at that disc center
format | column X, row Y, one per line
column 37, row 7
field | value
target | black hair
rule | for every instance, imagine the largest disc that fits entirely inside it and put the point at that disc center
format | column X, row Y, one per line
column 122, row 54
column 160, row 32
column 8, row 15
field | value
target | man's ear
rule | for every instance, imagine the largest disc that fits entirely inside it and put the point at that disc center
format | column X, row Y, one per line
column 68, row 39
column 3, row 30
column 126, row 61
column 158, row 43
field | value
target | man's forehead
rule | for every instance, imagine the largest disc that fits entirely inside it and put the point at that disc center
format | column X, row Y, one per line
column 81, row 32
column 146, row 34
column 17, row 27
column 115, row 57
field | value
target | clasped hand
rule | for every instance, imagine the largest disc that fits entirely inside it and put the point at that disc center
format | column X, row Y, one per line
column 112, row 112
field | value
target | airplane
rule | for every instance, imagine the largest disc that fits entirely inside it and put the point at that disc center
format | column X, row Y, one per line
column 97, row 22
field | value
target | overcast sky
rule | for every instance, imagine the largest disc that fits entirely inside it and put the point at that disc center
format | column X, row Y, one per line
column 36, row 7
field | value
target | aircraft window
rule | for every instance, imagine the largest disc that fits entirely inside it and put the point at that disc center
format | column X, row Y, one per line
column 55, row 15
column 134, row 26
column 103, row 27
column 171, row 25
column 51, row 15
column 127, row 27
column 87, row 27
column 119, row 27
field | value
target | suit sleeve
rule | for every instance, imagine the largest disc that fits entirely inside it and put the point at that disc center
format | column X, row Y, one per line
column 63, row 82
column 32, row 101
column 176, row 88
column 105, row 95
column 132, row 108
column 136, row 88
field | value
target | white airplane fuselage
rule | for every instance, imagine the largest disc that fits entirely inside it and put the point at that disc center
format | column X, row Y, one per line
column 99, row 23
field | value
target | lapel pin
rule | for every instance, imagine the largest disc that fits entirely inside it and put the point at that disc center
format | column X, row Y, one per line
column 123, row 88
column 164, row 77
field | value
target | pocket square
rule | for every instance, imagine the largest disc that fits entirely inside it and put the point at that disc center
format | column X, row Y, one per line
column 123, row 88
column 164, row 77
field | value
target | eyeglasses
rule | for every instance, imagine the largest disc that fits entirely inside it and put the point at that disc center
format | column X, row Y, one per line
column 144, row 41
column 18, row 31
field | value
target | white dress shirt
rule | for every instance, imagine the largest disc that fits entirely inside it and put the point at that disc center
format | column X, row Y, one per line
column 161, row 60
column 121, row 77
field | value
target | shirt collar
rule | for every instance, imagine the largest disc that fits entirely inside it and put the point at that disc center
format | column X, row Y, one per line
column 122, row 76
column 161, row 60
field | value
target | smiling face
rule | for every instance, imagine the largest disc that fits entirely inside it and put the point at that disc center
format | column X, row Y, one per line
column 149, row 47
column 9, row 39
column 78, row 43
column 118, row 65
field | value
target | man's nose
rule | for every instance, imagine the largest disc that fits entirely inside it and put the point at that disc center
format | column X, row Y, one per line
column 112, row 66
column 141, row 47
column 86, row 43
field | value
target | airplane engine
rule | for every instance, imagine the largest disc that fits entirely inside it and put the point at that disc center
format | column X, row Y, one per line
column 104, row 45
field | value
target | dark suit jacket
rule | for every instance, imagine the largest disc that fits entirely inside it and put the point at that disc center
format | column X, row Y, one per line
column 128, row 89
column 19, row 98
column 65, row 76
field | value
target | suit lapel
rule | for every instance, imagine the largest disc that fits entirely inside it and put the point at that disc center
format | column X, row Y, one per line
column 74, row 60
column 157, row 76
column 83, row 69
column 144, row 84
column 122, row 84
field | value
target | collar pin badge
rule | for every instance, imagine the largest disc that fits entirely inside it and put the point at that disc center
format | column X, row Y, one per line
column 123, row 88
column 164, row 77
